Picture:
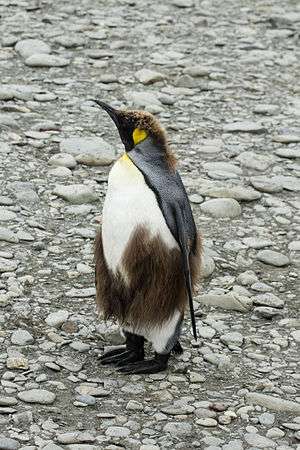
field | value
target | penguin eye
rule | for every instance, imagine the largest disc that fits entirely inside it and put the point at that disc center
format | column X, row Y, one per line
column 138, row 135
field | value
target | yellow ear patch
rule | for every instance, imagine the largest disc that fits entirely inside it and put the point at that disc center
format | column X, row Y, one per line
column 138, row 135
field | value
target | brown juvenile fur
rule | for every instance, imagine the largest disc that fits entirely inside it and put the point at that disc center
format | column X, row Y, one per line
column 146, row 121
column 156, row 284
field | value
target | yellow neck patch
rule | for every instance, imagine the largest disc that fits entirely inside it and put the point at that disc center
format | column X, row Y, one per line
column 138, row 135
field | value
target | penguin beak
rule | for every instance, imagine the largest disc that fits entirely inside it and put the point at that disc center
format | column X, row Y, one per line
column 120, row 122
column 113, row 113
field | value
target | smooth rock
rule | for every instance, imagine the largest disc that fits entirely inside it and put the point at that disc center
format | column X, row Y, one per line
column 117, row 431
column 272, row 258
column 29, row 47
column 273, row 403
column 244, row 127
column 8, row 444
column 45, row 60
column 232, row 338
column 92, row 151
column 76, row 193
column 8, row 235
column 258, row 441
column 147, row 76
column 222, row 208
column 21, row 337
column 268, row 299
column 231, row 301
column 57, row 318
column 40, row 396
column 64, row 160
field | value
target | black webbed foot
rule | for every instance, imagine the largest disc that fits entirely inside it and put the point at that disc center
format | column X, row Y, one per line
column 126, row 357
column 131, row 353
column 155, row 365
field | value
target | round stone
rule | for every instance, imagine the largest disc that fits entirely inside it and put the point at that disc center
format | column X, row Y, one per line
column 222, row 208
column 40, row 396
column 29, row 47
column 273, row 258
column 64, row 160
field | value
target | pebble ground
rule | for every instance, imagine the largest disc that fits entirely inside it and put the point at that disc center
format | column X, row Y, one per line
column 223, row 78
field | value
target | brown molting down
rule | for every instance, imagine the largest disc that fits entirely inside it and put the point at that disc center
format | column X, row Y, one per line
column 146, row 121
column 156, row 284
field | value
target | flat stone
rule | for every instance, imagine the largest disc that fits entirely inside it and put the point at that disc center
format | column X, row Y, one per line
column 266, row 419
column 222, row 208
column 8, row 401
column 255, row 161
column 52, row 446
column 290, row 153
column 266, row 184
column 21, row 337
column 222, row 166
column 275, row 433
column 8, row 235
column 92, row 151
column 207, row 422
column 117, row 431
column 69, row 363
column 273, row 403
column 94, row 391
column 207, row 265
column 286, row 138
column 268, row 299
column 144, row 100
column 6, row 215
column 146, row 76
column 206, row 332
column 40, row 396
column 75, row 437
column 244, row 127
column 29, row 47
column 76, row 193
column 266, row 109
column 57, row 318
column 64, row 160
column 178, row 428
column 232, row 338
column 17, row 362
column 8, row 444
column 258, row 441
column 230, row 301
column 257, row 243
column 81, row 293
column 7, row 265
column 272, row 258
column 45, row 60
column 296, row 335
column 215, row 189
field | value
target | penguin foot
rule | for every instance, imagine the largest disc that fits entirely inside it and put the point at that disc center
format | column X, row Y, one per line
column 126, row 357
column 157, row 364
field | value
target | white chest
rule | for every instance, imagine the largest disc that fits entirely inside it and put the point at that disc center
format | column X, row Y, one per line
column 129, row 203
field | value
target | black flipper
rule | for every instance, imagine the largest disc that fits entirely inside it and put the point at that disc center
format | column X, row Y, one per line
column 173, row 202
column 186, row 268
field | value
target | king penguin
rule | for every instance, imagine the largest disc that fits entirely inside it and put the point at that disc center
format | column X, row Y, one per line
column 148, row 252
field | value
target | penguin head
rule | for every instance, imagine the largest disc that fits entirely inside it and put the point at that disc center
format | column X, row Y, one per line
column 135, row 126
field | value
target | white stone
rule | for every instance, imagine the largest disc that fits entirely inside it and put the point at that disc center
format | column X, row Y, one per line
column 29, row 47
column 222, row 208
column 92, row 151
column 64, row 160
column 57, row 318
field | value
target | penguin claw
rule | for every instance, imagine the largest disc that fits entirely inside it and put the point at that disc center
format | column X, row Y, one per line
column 116, row 351
column 122, row 358
column 144, row 367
